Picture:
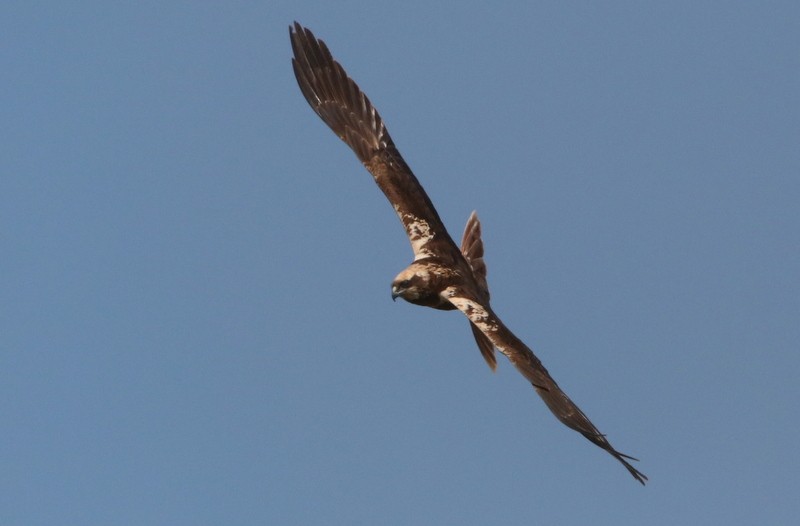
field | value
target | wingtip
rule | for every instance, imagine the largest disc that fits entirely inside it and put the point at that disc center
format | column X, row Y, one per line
column 638, row 475
column 295, row 28
column 600, row 440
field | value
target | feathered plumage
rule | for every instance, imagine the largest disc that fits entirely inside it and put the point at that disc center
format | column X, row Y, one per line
column 442, row 276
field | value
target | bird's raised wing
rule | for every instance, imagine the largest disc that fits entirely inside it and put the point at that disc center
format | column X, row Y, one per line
column 349, row 113
column 482, row 317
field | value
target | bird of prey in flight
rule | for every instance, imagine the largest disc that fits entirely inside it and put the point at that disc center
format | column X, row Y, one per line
column 442, row 276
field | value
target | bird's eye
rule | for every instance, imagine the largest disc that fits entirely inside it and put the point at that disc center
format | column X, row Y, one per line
column 405, row 283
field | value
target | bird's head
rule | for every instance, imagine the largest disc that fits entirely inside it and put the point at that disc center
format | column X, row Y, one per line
column 412, row 284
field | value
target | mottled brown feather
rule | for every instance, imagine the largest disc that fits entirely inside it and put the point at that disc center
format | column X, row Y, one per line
column 519, row 354
column 457, row 278
column 340, row 103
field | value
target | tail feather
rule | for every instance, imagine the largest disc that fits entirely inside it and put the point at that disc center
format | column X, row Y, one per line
column 472, row 248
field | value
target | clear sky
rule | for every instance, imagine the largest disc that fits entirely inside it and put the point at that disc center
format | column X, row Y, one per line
column 196, row 324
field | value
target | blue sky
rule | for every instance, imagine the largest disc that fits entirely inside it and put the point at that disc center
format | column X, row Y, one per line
column 196, row 325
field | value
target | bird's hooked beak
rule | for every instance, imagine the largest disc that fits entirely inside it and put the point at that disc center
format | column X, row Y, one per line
column 395, row 293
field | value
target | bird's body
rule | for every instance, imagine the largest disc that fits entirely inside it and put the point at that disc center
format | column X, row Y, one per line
column 442, row 276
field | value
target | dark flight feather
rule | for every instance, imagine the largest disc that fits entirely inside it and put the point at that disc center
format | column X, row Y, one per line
column 441, row 276
column 349, row 113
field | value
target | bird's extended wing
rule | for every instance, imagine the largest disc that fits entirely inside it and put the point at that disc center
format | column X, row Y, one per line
column 349, row 113
column 472, row 248
column 531, row 368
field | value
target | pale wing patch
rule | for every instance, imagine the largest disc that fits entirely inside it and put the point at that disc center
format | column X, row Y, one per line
column 476, row 313
column 419, row 233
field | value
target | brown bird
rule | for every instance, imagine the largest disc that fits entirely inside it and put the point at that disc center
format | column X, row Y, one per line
column 441, row 276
